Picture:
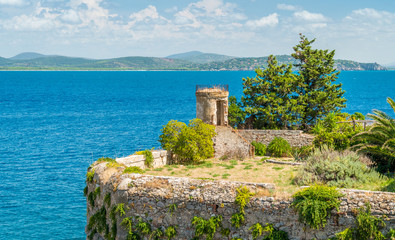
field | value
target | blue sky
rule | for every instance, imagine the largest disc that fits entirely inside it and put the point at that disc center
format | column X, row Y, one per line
column 358, row 30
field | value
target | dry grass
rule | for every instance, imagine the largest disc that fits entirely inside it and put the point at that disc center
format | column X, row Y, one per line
column 252, row 170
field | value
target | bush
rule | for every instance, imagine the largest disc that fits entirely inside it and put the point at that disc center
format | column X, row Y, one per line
column 192, row 142
column 149, row 158
column 279, row 147
column 315, row 203
column 340, row 169
column 301, row 153
column 133, row 169
column 260, row 148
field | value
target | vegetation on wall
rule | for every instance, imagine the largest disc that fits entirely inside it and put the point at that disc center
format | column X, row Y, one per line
column 149, row 158
column 260, row 148
column 189, row 143
column 314, row 204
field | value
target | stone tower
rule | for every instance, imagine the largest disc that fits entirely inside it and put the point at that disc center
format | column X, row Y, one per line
column 212, row 104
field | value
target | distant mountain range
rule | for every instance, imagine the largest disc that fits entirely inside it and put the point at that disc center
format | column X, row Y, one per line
column 184, row 61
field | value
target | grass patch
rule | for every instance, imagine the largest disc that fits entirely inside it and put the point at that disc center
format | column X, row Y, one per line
column 278, row 168
column 225, row 175
column 133, row 169
column 247, row 167
column 158, row 169
column 233, row 162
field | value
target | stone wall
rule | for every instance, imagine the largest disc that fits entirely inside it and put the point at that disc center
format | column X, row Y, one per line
column 296, row 138
column 161, row 158
column 229, row 143
column 149, row 198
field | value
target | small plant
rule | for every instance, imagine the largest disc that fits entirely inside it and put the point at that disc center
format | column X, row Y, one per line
column 143, row 227
column 133, row 169
column 260, row 148
column 93, row 195
column 172, row 208
column 106, row 159
column 85, row 191
column 257, row 230
column 98, row 220
column 171, row 232
column 274, row 234
column 243, row 197
column 120, row 208
column 90, row 175
column 237, row 220
column 279, row 147
column 368, row 226
column 128, row 223
column 107, row 199
column 149, row 158
column 114, row 165
column 156, row 234
column 206, row 227
column 315, row 203
column 233, row 162
column 225, row 175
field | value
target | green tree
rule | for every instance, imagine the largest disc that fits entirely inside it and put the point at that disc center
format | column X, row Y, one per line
column 236, row 114
column 269, row 97
column 318, row 95
column 278, row 98
column 379, row 141
column 192, row 142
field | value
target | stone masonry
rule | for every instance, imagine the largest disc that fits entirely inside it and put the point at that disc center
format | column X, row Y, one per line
column 149, row 197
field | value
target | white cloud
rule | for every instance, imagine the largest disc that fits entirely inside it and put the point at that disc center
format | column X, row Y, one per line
column 287, row 7
column 268, row 21
column 369, row 12
column 70, row 16
column 12, row 2
column 145, row 14
column 308, row 16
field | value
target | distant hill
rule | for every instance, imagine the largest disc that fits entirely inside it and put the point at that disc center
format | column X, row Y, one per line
column 184, row 61
column 27, row 56
column 200, row 57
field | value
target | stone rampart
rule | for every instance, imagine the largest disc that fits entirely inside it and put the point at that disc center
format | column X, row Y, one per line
column 174, row 201
column 161, row 158
column 296, row 138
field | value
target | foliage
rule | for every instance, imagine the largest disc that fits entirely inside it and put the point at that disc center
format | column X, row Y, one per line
column 260, row 148
column 334, row 168
column 90, row 175
column 379, row 141
column 128, row 223
column 243, row 197
column 368, row 226
column 192, row 142
column 172, row 208
column 278, row 98
column 93, row 195
column 329, row 132
column 156, row 234
column 317, row 93
column 98, row 220
column 279, row 147
column 236, row 114
column 237, row 219
column 133, row 169
column 206, row 227
column 171, row 232
column 106, row 159
column 301, row 153
column 149, row 158
column 269, row 98
column 120, row 208
column 85, row 191
column 257, row 230
column 274, row 234
column 315, row 203
column 107, row 199
column 143, row 227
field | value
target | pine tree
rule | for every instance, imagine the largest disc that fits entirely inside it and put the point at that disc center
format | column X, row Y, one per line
column 318, row 95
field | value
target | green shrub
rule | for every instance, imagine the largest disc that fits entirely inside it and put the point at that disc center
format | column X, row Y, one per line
column 340, row 169
column 106, row 159
column 315, row 203
column 301, row 153
column 192, row 142
column 90, row 175
column 260, row 148
column 133, row 169
column 171, row 232
column 274, row 234
column 149, row 158
column 279, row 147
column 206, row 227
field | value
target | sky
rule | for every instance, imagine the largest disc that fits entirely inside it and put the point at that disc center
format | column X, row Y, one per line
column 360, row 30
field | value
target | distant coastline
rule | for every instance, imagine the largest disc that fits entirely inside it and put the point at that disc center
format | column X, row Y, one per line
column 192, row 61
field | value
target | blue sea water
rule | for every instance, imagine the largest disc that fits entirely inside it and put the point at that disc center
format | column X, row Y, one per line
column 53, row 125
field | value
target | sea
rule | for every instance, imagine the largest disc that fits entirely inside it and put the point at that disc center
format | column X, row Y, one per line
column 54, row 124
